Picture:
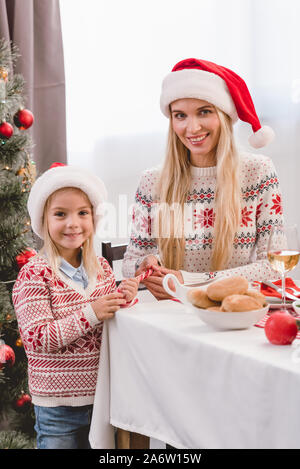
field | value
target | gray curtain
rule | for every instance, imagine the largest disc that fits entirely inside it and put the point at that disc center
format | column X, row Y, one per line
column 35, row 27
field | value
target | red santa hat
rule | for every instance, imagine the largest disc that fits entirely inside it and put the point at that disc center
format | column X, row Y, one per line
column 220, row 86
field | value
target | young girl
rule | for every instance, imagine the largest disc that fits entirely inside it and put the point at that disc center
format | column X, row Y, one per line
column 209, row 210
column 61, row 298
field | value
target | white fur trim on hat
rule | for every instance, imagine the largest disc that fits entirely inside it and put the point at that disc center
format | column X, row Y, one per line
column 199, row 84
column 58, row 178
column 262, row 137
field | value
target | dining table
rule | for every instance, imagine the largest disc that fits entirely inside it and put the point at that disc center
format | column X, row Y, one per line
column 166, row 374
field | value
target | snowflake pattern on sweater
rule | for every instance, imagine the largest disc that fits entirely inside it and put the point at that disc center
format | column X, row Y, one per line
column 261, row 209
column 60, row 332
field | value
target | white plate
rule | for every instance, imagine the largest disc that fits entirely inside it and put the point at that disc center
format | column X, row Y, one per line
column 277, row 304
column 217, row 319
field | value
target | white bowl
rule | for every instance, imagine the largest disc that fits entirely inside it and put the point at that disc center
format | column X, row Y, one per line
column 230, row 321
column 217, row 319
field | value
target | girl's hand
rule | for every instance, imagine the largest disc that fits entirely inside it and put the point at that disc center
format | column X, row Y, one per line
column 106, row 306
column 129, row 287
column 149, row 262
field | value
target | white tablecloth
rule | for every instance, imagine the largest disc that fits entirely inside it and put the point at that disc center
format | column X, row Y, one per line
column 166, row 374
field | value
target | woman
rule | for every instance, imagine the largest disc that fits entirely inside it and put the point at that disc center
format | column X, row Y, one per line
column 209, row 210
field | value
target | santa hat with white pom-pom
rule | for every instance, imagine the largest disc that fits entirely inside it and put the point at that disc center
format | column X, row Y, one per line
column 220, row 86
column 60, row 176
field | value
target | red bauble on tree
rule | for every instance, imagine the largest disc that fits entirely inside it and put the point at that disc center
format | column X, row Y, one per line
column 23, row 119
column 7, row 355
column 23, row 402
column 24, row 257
column 6, row 130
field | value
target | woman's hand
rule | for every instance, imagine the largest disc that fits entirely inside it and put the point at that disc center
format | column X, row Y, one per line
column 148, row 263
column 129, row 287
column 154, row 282
column 106, row 306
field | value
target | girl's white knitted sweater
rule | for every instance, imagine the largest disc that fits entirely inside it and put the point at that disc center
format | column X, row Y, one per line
column 261, row 209
column 60, row 332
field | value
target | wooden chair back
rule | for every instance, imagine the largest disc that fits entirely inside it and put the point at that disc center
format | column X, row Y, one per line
column 113, row 253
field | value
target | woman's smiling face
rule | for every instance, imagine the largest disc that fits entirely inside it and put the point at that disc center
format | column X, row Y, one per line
column 197, row 125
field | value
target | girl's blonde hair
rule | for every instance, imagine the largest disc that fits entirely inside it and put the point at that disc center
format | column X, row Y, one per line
column 174, row 185
column 89, row 257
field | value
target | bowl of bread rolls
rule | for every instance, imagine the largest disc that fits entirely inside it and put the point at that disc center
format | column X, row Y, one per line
column 229, row 303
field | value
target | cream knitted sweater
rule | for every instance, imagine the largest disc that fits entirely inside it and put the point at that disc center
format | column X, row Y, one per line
column 261, row 209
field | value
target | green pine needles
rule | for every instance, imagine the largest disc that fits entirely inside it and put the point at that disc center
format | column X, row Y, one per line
column 17, row 172
column 15, row 440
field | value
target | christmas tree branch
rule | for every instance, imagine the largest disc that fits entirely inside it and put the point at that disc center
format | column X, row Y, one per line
column 9, row 53
column 17, row 173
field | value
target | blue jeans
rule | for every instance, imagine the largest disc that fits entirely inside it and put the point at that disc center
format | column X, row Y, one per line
column 63, row 427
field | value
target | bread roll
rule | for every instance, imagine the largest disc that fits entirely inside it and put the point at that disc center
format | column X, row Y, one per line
column 240, row 303
column 215, row 308
column 257, row 296
column 200, row 299
column 217, row 291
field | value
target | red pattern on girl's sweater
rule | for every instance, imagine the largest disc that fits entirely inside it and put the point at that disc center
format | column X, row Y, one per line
column 60, row 332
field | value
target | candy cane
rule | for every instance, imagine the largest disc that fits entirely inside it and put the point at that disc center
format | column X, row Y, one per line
column 140, row 278
column 144, row 275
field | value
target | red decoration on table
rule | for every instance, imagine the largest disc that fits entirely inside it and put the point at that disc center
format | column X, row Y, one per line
column 281, row 328
column 7, row 356
column 24, row 257
column 23, row 119
column 6, row 130
column 269, row 291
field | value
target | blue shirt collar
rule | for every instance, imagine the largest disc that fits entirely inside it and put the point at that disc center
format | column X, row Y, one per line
column 77, row 274
column 67, row 268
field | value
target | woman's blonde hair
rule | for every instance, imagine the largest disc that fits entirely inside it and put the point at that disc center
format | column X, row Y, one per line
column 174, row 185
column 89, row 257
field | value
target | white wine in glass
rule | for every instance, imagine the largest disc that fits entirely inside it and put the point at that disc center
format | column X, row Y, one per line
column 283, row 251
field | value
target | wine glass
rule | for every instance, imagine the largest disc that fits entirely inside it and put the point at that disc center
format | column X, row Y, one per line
column 283, row 252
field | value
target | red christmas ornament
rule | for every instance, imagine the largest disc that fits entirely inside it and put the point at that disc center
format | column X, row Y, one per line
column 281, row 328
column 23, row 402
column 7, row 356
column 24, row 257
column 23, row 119
column 6, row 130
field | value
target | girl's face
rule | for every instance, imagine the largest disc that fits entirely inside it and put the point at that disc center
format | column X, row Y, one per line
column 197, row 125
column 70, row 221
